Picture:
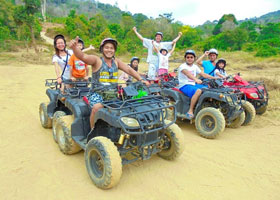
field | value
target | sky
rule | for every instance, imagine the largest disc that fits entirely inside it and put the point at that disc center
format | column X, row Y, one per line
column 196, row 12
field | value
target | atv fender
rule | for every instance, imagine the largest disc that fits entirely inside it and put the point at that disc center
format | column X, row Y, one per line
column 52, row 94
column 107, row 116
column 81, row 111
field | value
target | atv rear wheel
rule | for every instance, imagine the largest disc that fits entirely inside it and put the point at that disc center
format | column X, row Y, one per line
column 209, row 122
column 250, row 112
column 261, row 110
column 46, row 122
column 174, row 137
column 236, row 123
column 103, row 162
column 64, row 136
column 56, row 116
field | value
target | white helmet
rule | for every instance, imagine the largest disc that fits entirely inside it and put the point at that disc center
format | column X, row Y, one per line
column 213, row 51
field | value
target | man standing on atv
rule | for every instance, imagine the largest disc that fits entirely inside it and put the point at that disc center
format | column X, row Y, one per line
column 209, row 66
column 188, row 83
column 152, row 58
column 104, row 69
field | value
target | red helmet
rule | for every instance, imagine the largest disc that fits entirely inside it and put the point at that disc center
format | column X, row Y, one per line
column 108, row 40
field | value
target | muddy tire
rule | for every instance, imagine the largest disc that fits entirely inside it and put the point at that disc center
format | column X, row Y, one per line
column 46, row 122
column 261, row 110
column 103, row 162
column 250, row 112
column 170, row 112
column 173, row 134
column 64, row 136
column 209, row 122
column 56, row 116
column 238, row 121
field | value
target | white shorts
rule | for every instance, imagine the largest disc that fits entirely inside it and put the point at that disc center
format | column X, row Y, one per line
column 152, row 72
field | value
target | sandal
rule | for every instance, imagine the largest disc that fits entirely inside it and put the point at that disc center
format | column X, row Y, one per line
column 189, row 116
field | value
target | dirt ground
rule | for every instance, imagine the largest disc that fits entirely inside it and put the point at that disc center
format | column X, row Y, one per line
column 240, row 164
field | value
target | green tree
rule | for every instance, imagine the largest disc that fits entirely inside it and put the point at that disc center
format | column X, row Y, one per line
column 167, row 16
column 25, row 15
column 97, row 25
column 139, row 18
column 271, row 30
column 116, row 30
column 190, row 36
column 127, row 23
column 227, row 22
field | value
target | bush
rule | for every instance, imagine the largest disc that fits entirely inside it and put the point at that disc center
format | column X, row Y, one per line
column 266, row 51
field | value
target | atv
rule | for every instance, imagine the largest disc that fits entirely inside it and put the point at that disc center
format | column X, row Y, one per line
column 217, row 106
column 254, row 92
column 127, row 129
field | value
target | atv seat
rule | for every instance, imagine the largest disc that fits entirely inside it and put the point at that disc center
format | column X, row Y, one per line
column 177, row 90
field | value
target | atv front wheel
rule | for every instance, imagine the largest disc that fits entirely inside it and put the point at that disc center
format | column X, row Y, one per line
column 46, row 122
column 261, row 110
column 236, row 123
column 250, row 112
column 103, row 162
column 174, row 139
column 209, row 122
column 64, row 136
column 56, row 115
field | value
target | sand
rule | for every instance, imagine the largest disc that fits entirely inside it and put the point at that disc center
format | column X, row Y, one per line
column 240, row 164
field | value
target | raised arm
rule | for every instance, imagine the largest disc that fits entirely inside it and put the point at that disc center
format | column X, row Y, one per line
column 138, row 34
column 199, row 60
column 177, row 38
column 173, row 48
column 89, row 48
column 88, row 59
column 155, row 48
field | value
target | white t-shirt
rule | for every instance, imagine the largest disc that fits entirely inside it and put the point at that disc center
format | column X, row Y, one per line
column 183, row 79
column 219, row 71
column 163, row 61
column 152, row 54
column 61, row 62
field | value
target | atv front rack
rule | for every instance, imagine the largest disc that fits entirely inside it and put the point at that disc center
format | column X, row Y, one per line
column 149, row 112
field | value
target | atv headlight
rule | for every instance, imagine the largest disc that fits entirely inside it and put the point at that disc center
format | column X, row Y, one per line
column 254, row 95
column 229, row 99
column 131, row 122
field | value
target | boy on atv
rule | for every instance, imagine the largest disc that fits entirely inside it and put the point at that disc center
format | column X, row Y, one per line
column 104, row 69
column 188, row 83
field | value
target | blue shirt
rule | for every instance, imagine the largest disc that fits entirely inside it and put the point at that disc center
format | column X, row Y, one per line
column 208, row 67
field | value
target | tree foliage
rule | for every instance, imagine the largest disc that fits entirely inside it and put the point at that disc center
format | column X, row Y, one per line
column 94, row 21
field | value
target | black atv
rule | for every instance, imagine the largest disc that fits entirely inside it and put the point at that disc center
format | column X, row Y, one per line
column 126, row 129
column 217, row 107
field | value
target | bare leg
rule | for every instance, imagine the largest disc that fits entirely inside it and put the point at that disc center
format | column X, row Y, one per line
column 95, row 108
column 194, row 100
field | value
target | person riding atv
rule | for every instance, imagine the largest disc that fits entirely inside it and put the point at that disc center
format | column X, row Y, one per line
column 215, row 107
column 126, row 128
